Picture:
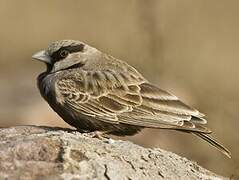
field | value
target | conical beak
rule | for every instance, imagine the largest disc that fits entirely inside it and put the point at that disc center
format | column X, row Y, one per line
column 42, row 56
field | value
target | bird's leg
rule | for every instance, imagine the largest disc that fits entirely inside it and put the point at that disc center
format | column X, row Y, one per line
column 95, row 134
column 82, row 131
column 102, row 135
column 98, row 134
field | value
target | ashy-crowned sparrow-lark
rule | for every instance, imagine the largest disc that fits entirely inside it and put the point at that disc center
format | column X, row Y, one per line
column 93, row 91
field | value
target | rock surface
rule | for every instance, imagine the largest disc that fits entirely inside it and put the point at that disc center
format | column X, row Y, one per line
column 31, row 152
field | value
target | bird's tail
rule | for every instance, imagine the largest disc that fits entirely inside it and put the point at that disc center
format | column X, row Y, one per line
column 214, row 143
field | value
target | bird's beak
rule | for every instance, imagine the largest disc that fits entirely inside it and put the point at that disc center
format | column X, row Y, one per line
column 42, row 56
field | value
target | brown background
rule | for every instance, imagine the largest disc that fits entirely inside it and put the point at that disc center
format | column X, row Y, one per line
column 188, row 47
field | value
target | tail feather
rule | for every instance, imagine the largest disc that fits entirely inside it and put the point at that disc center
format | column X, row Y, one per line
column 214, row 143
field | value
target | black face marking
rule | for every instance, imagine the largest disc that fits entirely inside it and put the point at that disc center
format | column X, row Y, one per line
column 63, row 52
column 78, row 65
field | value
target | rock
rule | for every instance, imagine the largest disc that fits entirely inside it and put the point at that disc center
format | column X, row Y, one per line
column 31, row 152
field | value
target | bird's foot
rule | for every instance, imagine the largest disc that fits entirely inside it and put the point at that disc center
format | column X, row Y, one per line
column 97, row 134
column 102, row 135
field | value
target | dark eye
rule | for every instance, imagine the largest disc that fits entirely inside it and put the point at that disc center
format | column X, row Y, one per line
column 63, row 53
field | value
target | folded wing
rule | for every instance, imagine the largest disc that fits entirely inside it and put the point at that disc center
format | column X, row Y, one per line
column 126, row 98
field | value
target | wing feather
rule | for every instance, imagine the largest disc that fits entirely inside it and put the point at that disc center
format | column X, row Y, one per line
column 127, row 98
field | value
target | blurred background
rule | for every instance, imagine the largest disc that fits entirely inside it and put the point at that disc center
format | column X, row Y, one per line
column 190, row 48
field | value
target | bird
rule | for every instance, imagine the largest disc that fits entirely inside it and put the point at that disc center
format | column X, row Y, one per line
column 96, row 92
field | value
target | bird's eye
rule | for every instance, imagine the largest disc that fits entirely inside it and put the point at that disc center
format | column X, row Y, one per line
column 63, row 53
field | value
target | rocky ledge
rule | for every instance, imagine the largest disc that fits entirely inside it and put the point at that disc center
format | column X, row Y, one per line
column 32, row 152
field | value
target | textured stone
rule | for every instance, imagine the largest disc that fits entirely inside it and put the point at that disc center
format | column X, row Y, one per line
column 30, row 152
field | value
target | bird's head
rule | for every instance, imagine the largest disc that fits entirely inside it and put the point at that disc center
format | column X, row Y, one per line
column 65, row 54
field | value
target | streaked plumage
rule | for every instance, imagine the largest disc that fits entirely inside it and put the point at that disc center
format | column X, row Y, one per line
column 93, row 91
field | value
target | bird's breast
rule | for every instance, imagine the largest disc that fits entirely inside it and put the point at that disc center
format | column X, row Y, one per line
column 45, row 84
